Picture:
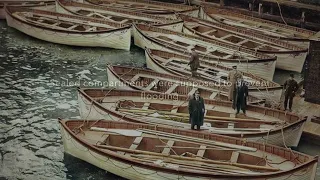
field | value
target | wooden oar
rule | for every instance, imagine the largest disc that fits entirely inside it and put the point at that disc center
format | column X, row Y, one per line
column 206, row 117
column 186, row 120
column 264, row 168
column 182, row 147
column 194, row 165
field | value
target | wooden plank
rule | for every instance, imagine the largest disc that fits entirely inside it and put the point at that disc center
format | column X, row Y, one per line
column 230, row 125
column 72, row 27
column 234, row 157
column 136, row 77
column 105, row 140
column 146, row 106
column 175, row 110
column 136, row 143
column 201, row 151
column 172, row 88
column 243, row 41
column 213, row 95
column 166, row 61
column 152, row 84
column 192, row 91
column 91, row 29
column 207, row 33
column 166, row 150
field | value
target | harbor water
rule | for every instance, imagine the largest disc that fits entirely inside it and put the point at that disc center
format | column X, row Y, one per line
column 38, row 84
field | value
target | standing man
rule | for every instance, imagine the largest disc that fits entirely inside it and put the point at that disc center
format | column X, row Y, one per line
column 233, row 77
column 194, row 63
column 196, row 110
column 291, row 87
column 240, row 100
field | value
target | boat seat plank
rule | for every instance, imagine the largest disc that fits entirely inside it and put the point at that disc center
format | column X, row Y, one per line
column 91, row 29
column 175, row 110
column 192, row 91
column 72, row 27
column 172, row 88
column 201, row 151
column 105, row 17
column 166, row 150
column 224, row 37
column 230, row 125
column 136, row 142
column 105, row 140
column 152, row 84
column 146, row 106
column 213, row 95
column 228, row 56
column 234, row 157
column 166, row 61
column 243, row 41
column 136, row 77
column 90, row 14
column 212, row 30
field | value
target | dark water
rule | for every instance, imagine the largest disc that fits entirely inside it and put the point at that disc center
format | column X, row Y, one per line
column 38, row 83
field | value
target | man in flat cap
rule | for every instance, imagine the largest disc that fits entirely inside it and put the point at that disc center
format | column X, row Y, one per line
column 194, row 63
column 291, row 87
column 233, row 76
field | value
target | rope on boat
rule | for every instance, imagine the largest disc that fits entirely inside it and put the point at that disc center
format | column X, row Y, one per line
column 281, row 13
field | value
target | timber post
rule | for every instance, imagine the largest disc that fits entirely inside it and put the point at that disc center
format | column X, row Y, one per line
column 260, row 9
column 312, row 74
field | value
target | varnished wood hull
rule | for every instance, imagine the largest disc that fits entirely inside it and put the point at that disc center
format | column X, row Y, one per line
column 116, row 163
column 91, row 109
column 117, row 39
column 291, row 59
column 171, row 24
column 170, row 13
column 24, row 4
column 302, row 42
column 263, row 69
column 271, row 95
column 170, row 84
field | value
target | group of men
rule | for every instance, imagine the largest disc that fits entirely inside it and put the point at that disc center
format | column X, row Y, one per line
column 238, row 93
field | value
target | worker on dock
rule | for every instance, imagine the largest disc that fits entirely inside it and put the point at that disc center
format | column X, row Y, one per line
column 194, row 63
column 233, row 77
column 291, row 87
column 196, row 110
column 240, row 100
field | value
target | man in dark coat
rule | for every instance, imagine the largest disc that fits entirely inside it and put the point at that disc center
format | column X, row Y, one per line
column 196, row 110
column 291, row 87
column 194, row 63
column 241, row 94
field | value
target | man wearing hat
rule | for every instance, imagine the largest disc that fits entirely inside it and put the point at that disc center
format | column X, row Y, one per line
column 196, row 110
column 233, row 77
column 291, row 87
column 194, row 63
column 241, row 95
